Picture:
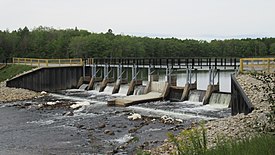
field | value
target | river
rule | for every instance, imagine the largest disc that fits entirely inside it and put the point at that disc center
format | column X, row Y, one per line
column 76, row 121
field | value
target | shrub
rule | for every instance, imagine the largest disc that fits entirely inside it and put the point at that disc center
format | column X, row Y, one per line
column 192, row 141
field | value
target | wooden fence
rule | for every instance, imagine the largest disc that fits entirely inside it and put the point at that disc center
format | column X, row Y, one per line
column 257, row 65
column 48, row 62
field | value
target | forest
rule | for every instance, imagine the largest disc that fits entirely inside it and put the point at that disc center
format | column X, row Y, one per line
column 47, row 42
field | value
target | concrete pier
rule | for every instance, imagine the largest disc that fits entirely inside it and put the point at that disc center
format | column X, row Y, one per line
column 158, row 91
column 186, row 90
column 132, row 86
column 104, row 83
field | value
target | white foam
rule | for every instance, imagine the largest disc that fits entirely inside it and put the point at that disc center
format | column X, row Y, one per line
column 80, row 104
column 208, row 107
column 72, row 98
column 74, row 90
column 42, row 122
column 160, row 112
column 53, row 103
column 123, row 139
column 193, row 103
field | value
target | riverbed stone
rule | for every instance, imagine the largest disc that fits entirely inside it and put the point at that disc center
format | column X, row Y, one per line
column 8, row 94
column 109, row 132
column 102, row 125
column 69, row 113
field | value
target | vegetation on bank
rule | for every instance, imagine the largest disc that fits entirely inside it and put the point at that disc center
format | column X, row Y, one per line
column 194, row 142
column 45, row 42
column 12, row 70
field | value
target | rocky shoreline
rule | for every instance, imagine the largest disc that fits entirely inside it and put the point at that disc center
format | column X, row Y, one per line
column 239, row 126
column 14, row 94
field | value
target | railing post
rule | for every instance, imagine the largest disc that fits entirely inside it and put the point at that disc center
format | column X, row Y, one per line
column 168, row 74
column 241, row 65
column 235, row 63
column 84, row 70
column 268, row 65
column 224, row 63
column 215, row 62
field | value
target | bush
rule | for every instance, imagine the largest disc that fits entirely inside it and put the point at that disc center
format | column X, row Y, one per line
column 194, row 142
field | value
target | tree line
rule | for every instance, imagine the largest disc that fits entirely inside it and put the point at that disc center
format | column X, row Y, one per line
column 45, row 42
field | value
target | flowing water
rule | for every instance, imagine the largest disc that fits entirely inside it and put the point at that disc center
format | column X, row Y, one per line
column 219, row 98
column 123, row 89
column 83, row 86
column 109, row 88
column 77, row 121
column 196, row 95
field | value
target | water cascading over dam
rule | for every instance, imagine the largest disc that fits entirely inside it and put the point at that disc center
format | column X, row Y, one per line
column 196, row 95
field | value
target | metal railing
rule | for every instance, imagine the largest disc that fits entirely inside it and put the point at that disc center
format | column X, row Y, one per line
column 48, row 62
column 257, row 65
column 173, row 62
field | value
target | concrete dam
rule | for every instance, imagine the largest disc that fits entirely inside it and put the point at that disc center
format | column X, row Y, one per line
column 129, row 80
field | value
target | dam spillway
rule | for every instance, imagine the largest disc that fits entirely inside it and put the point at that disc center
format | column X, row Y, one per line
column 42, row 79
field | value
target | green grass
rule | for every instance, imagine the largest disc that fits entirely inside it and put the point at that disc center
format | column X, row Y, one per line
column 263, row 144
column 13, row 70
column 193, row 142
column 260, row 145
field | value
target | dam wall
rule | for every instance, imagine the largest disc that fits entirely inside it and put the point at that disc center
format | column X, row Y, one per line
column 48, row 79
column 240, row 103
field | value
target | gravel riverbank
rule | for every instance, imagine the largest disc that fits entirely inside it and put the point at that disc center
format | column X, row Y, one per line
column 239, row 126
column 14, row 94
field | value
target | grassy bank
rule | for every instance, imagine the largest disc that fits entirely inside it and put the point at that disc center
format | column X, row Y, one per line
column 194, row 142
column 263, row 144
column 13, row 70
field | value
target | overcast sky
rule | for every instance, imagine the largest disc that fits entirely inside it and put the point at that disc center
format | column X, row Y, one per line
column 196, row 19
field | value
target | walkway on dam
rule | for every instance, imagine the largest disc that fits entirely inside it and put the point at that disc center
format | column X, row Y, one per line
column 194, row 63
column 48, row 62
column 243, row 64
